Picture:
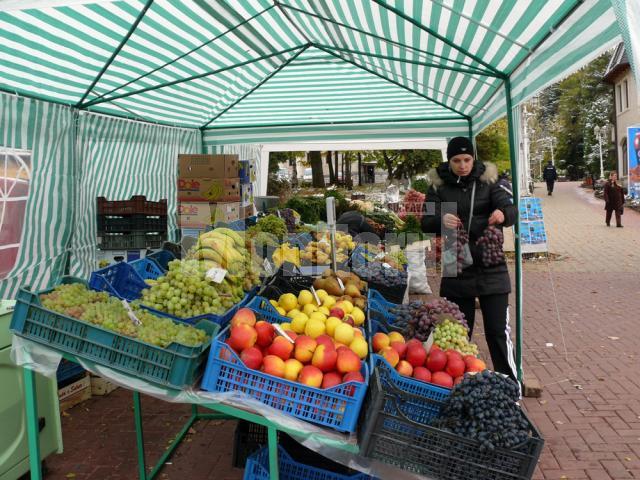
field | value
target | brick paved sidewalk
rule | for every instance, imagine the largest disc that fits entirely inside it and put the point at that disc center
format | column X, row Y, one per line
column 584, row 353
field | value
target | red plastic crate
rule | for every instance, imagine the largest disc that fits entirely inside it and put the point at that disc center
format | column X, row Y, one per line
column 138, row 204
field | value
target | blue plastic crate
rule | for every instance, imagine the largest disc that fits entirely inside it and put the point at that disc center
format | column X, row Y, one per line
column 122, row 281
column 336, row 407
column 67, row 370
column 257, row 468
column 146, row 269
column 175, row 366
column 162, row 258
column 119, row 279
column 379, row 313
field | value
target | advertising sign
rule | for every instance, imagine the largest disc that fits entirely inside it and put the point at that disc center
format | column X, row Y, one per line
column 633, row 156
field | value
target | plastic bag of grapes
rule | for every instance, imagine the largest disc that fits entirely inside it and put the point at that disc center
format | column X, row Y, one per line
column 490, row 244
column 456, row 255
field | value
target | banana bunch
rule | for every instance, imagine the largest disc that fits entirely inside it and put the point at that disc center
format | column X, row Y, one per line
column 225, row 248
column 286, row 253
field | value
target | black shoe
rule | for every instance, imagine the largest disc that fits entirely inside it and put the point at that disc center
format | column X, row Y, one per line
column 619, row 226
column 608, row 225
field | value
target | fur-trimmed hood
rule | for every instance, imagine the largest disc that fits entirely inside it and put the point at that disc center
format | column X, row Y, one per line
column 486, row 172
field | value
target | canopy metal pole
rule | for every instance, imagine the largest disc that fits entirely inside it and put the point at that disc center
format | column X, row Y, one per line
column 262, row 82
column 516, row 226
column 188, row 79
column 116, row 51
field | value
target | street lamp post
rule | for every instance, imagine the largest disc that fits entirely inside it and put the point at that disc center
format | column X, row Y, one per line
column 599, row 132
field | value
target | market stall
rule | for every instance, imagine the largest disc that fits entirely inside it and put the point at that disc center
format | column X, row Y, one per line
column 104, row 96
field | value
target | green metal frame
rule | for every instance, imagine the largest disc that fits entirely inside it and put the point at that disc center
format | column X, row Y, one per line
column 193, row 77
column 195, row 49
column 255, row 87
column 518, row 250
column 432, row 32
column 115, row 53
column 284, row 7
column 373, row 72
column 223, row 412
column 339, row 122
column 469, row 71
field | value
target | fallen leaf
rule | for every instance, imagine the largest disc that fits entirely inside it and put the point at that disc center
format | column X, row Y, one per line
column 559, row 422
column 628, row 459
column 613, row 338
column 192, row 431
column 70, row 475
column 65, row 414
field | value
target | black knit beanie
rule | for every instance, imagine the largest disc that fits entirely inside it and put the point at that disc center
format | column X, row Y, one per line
column 459, row 145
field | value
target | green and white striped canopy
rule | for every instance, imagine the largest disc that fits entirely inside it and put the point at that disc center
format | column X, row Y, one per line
column 218, row 64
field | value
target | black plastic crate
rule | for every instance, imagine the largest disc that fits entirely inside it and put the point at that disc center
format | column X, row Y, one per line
column 249, row 437
column 135, row 240
column 287, row 279
column 132, row 223
column 136, row 204
column 391, row 294
column 388, row 434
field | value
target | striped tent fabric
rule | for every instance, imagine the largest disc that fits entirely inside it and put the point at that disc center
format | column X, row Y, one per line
column 118, row 159
column 47, row 132
column 249, row 63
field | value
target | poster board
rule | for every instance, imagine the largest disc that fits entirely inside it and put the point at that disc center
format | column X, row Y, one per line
column 533, row 236
column 633, row 157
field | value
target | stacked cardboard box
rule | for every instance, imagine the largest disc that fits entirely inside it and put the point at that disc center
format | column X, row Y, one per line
column 208, row 190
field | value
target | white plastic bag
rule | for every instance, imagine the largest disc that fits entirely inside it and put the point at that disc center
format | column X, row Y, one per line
column 417, row 268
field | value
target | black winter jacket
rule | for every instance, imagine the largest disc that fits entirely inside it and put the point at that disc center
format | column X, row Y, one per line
column 445, row 186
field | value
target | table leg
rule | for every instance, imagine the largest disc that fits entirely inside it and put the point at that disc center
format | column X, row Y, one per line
column 137, row 413
column 272, row 435
column 31, row 411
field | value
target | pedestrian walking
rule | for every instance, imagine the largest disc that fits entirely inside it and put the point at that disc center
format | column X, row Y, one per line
column 613, row 200
column 468, row 182
column 550, row 176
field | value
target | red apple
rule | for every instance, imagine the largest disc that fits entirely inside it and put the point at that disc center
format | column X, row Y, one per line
column 404, row 368
column 331, row 379
column 336, row 312
column 252, row 357
column 455, row 367
column 436, row 361
column 443, row 379
column 244, row 315
column 353, row 377
column 281, row 347
column 400, row 347
column 311, row 376
column 242, row 336
column 416, row 355
column 266, row 333
column 421, row 373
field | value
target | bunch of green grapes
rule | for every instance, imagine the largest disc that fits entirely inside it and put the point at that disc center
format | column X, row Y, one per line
column 108, row 312
column 185, row 291
column 451, row 334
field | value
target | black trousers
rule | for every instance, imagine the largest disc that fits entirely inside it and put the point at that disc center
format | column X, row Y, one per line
column 618, row 217
column 495, row 314
column 550, row 185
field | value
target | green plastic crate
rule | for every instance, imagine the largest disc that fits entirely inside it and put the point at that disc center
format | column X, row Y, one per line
column 175, row 366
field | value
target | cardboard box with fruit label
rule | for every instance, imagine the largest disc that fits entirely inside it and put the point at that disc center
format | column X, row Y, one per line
column 208, row 189
column 246, row 194
column 203, row 214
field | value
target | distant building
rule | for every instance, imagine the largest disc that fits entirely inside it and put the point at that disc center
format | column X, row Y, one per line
column 627, row 104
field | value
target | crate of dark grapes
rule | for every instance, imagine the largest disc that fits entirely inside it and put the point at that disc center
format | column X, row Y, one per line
column 391, row 283
column 477, row 432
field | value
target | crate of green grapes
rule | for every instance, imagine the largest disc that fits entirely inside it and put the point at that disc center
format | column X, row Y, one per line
column 100, row 328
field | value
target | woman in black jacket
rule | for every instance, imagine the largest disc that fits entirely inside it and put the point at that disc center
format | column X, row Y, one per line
column 448, row 205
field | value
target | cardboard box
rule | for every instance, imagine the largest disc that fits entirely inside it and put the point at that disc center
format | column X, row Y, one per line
column 246, row 194
column 75, row 393
column 194, row 214
column 203, row 214
column 101, row 386
column 208, row 189
column 246, row 212
column 226, row 212
column 207, row 166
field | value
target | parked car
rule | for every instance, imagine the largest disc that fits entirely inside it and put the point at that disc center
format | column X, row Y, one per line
column 283, row 174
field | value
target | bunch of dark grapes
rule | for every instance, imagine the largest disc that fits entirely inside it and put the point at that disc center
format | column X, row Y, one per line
column 491, row 242
column 483, row 407
column 404, row 313
column 380, row 274
column 289, row 219
column 424, row 316
column 461, row 240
